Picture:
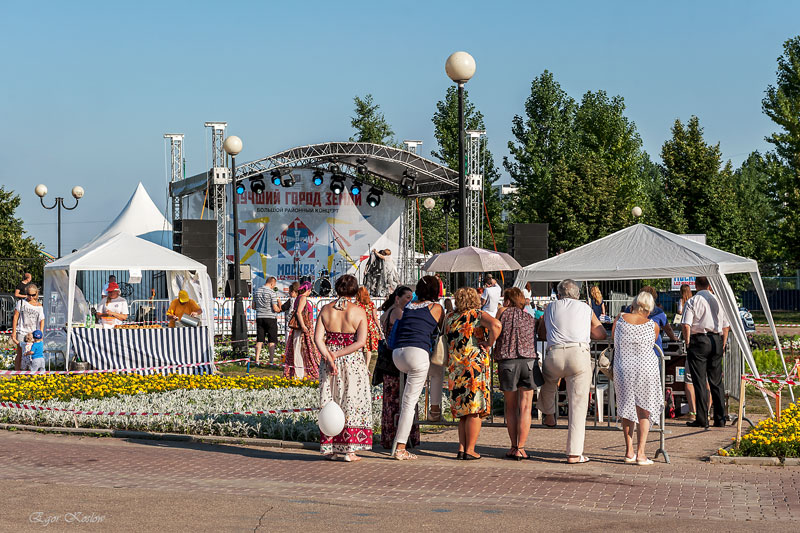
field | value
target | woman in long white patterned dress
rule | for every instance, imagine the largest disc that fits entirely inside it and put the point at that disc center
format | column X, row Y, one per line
column 637, row 378
column 343, row 377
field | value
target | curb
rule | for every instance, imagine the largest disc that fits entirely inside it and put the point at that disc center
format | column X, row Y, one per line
column 753, row 461
column 176, row 437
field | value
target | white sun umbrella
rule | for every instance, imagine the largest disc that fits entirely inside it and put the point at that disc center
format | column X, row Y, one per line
column 470, row 259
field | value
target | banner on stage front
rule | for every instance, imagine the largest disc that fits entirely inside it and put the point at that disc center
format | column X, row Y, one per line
column 307, row 230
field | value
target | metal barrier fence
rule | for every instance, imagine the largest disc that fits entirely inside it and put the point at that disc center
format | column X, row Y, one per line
column 7, row 304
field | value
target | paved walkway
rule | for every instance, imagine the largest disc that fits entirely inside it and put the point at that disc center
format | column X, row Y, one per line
column 140, row 485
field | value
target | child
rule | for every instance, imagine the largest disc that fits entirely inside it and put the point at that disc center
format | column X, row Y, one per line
column 26, row 358
column 36, row 352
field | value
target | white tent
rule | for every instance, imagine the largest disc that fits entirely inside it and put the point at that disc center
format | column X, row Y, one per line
column 141, row 217
column 121, row 251
column 645, row 252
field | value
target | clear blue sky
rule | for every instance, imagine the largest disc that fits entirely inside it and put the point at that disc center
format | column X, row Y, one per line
column 89, row 88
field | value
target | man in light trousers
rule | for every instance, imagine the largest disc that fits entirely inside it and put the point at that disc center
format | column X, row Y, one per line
column 569, row 324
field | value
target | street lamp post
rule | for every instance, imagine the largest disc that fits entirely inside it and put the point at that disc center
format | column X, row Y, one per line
column 232, row 146
column 77, row 193
column 460, row 67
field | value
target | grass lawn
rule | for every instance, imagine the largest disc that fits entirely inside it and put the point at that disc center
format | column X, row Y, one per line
column 781, row 317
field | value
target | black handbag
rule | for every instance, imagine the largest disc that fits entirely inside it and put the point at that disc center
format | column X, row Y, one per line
column 384, row 364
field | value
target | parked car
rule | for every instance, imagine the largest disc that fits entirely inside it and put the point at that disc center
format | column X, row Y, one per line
column 747, row 320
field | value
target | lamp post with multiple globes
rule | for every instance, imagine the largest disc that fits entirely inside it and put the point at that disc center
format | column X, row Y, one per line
column 77, row 193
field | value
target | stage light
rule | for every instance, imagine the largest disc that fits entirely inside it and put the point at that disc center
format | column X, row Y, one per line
column 257, row 184
column 408, row 183
column 319, row 177
column 374, row 197
column 333, row 168
column 361, row 168
column 355, row 188
column 276, row 177
column 240, row 188
column 337, row 184
column 288, row 180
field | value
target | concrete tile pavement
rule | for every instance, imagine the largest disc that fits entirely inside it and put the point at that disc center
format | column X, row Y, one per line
column 114, row 474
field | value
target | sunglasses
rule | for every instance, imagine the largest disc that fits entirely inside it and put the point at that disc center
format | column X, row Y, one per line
column 29, row 295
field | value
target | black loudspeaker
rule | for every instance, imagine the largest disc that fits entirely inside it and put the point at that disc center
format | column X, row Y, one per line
column 528, row 244
column 197, row 239
column 244, row 287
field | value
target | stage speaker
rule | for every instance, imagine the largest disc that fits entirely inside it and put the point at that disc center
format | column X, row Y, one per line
column 244, row 272
column 528, row 244
column 244, row 288
column 197, row 239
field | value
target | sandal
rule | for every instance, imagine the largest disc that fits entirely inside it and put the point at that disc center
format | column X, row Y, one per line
column 645, row 462
column 523, row 456
column 630, row 460
column 435, row 415
column 351, row 458
column 512, row 453
column 404, row 455
column 582, row 459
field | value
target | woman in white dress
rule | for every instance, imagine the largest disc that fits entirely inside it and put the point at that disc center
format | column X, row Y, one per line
column 637, row 379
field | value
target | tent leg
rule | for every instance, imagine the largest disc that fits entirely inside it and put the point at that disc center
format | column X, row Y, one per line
column 662, row 439
column 741, row 412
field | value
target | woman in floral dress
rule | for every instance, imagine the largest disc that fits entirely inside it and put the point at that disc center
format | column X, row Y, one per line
column 302, row 357
column 470, row 367
column 340, row 335
column 373, row 330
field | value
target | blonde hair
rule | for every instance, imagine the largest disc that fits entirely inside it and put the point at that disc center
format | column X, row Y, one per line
column 467, row 298
column 29, row 337
column 686, row 292
column 645, row 301
column 597, row 296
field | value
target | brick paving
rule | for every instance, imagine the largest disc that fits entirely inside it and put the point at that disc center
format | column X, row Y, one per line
column 688, row 488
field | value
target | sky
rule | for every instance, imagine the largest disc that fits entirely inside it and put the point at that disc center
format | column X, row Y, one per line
column 89, row 88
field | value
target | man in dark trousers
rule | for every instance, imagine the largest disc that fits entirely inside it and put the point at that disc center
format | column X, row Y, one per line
column 705, row 330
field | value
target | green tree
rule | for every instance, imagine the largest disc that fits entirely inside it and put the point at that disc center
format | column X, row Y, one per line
column 752, row 183
column 579, row 167
column 18, row 252
column 445, row 121
column 782, row 105
column 370, row 124
column 700, row 190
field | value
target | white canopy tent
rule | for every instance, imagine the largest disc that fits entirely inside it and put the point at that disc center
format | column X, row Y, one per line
column 645, row 252
column 141, row 217
column 65, row 304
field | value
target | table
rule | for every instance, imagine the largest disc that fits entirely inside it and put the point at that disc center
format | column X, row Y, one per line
column 107, row 349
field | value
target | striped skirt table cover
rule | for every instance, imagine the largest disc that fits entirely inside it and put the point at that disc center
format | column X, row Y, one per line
column 107, row 349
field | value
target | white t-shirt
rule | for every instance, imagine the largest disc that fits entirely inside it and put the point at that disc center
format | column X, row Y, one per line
column 30, row 316
column 117, row 305
column 491, row 299
column 568, row 320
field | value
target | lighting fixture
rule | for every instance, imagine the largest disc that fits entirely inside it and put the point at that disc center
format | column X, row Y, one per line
column 374, row 197
column 276, row 177
column 408, row 183
column 240, row 188
column 355, row 188
column 319, row 177
column 257, row 184
column 361, row 168
column 337, row 184
column 288, row 180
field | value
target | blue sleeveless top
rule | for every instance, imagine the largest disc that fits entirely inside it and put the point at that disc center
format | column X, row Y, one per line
column 415, row 328
column 597, row 308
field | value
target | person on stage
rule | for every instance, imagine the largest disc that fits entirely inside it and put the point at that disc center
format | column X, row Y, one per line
column 181, row 306
column 381, row 276
column 113, row 310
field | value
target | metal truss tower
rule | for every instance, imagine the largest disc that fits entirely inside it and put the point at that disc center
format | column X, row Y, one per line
column 408, row 242
column 474, row 206
column 176, row 170
column 218, row 180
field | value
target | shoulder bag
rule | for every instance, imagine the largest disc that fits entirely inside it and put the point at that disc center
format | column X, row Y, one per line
column 605, row 362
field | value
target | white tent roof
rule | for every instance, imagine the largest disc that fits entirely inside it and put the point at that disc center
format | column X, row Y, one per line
column 637, row 252
column 124, row 251
column 142, row 218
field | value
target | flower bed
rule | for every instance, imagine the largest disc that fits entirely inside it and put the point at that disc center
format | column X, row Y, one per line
column 95, row 386
column 772, row 438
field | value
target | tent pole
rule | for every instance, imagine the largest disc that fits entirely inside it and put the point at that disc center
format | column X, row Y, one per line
column 762, row 297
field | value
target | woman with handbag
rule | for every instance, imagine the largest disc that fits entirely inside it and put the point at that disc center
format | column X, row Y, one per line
column 387, row 373
column 517, row 368
column 340, row 335
column 302, row 357
column 470, row 334
column 411, row 354
column 637, row 377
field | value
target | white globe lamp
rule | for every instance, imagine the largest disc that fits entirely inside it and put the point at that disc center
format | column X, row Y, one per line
column 460, row 67
column 77, row 192
column 232, row 145
column 636, row 211
column 41, row 190
column 429, row 203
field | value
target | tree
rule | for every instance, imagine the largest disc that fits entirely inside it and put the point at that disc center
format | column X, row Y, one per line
column 445, row 121
column 752, row 183
column 782, row 105
column 700, row 190
column 578, row 167
column 370, row 124
column 18, row 252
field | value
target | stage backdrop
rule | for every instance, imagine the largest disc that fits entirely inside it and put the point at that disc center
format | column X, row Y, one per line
column 305, row 229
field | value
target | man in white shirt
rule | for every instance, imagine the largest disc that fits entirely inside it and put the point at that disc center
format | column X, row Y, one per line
column 492, row 293
column 114, row 309
column 705, row 330
column 111, row 279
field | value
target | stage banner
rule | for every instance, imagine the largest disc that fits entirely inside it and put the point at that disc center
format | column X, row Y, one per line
column 308, row 231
